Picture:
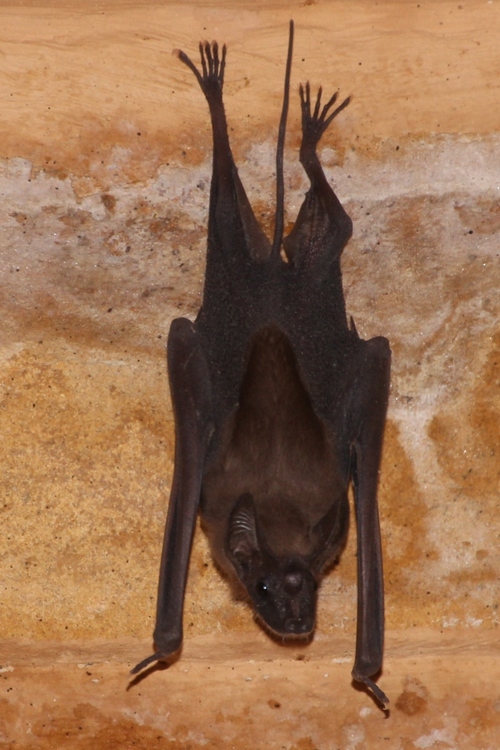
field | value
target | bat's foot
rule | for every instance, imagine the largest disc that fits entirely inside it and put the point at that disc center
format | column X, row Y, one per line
column 314, row 123
column 211, row 78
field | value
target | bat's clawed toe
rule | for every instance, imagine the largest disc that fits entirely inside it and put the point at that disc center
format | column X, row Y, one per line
column 318, row 103
column 212, row 64
column 305, row 98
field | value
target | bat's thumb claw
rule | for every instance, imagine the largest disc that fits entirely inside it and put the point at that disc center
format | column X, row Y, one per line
column 377, row 692
column 146, row 662
column 379, row 695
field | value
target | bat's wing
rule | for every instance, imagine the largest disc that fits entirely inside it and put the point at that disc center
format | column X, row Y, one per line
column 367, row 410
column 191, row 399
column 361, row 372
column 232, row 226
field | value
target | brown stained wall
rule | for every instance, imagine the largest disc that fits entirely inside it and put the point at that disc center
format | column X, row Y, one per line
column 105, row 148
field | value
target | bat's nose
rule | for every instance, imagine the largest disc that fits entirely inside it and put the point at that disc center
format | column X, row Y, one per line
column 297, row 626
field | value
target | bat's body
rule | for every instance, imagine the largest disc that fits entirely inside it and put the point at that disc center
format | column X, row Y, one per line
column 278, row 404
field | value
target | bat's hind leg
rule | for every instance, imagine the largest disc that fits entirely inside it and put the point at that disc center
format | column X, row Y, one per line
column 232, row 225
column 211, row 81
column 323, row 227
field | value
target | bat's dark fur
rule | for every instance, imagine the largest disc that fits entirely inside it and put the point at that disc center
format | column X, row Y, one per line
column 278, row 403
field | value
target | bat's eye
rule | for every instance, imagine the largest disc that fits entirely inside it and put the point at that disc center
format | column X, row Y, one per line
column 262, row 588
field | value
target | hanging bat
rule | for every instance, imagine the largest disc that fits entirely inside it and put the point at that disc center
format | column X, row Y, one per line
column 278, row 402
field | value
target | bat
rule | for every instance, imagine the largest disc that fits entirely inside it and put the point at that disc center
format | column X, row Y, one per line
column 278, row 403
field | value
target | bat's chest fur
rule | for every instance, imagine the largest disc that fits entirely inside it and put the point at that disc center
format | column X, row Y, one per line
column 274, row 427
column 275, row 448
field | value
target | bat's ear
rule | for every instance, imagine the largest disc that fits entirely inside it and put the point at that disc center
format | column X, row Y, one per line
column 242, row 541
column 330, row 532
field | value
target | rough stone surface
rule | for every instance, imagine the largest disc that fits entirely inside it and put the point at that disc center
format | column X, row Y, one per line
column 104, row 182
column 250, row 693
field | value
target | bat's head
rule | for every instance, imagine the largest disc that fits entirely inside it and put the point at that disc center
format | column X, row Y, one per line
column 282, row 588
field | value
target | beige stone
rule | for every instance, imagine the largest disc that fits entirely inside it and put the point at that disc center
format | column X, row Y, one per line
column 104, row 176
column 250, row 693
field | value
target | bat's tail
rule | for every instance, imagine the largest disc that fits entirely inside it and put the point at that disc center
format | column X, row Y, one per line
column 280, row 184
